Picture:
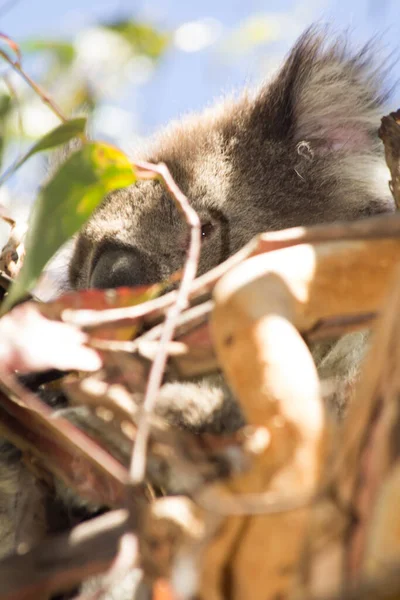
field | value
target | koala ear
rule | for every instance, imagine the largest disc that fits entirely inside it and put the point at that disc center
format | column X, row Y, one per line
column 323, row 94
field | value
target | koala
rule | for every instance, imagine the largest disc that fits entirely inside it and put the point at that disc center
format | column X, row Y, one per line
column 301, row 149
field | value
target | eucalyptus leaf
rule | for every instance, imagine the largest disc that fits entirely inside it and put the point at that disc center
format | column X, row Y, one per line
column 60, row 135
column 65, row 204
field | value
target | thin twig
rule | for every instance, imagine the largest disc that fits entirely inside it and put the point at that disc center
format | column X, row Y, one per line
column 145, row 349
column 35, row 87
column 185, row 321
column 138, row 460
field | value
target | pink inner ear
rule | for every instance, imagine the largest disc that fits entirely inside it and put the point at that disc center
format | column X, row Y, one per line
column 347, row 139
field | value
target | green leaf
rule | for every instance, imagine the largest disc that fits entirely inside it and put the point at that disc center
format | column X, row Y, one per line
column 62, row 52
column 60, row 135
column 143, row 38
column 65, row 204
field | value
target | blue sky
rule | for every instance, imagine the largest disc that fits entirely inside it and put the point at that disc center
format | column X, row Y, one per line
column 189, row 80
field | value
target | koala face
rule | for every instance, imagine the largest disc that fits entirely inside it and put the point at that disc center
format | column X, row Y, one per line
column 301, row 150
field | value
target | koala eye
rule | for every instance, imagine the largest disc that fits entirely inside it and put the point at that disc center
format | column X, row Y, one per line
column 206, row 230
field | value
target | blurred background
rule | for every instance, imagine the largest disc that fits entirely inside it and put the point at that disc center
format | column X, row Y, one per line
column 135, row 65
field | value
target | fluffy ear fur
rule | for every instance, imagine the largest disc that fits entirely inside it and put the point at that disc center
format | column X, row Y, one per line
column 325, row 94
column 316, row 127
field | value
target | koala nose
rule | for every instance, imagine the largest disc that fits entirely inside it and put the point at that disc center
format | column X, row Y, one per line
column 117, row 267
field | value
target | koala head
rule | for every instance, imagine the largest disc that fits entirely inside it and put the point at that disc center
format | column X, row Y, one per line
column 300, row 150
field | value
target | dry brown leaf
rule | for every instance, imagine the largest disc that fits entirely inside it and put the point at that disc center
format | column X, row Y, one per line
column 30, row 342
